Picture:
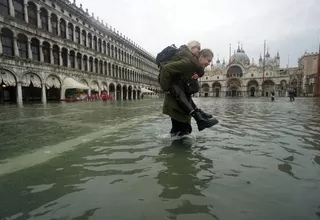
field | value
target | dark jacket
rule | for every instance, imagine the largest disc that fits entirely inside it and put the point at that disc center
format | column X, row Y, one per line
column 179, row 71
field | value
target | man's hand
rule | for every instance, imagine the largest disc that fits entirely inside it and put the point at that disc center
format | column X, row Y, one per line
column 195, row 76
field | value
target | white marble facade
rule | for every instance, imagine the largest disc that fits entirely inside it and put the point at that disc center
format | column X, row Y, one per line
column 240, row 77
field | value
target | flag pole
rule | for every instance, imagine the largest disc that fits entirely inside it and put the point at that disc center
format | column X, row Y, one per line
column 264, row 61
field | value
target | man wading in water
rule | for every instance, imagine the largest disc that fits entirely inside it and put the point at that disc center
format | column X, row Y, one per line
column 178, row 78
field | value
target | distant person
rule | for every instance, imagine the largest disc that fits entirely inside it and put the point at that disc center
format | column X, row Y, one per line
column 272, row 96
column 291, row 95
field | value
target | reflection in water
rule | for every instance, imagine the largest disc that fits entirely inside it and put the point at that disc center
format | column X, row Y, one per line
column 182, row 180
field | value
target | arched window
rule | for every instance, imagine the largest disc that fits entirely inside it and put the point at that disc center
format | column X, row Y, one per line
column 32, row 14
column 78, row 35
column 63, row 28
column 55, row 52
column 35, row 47
column 79, row 60
column 99, row 45
column 112, row 52
column 91, row 64
column 108, row 46
column 84, row 38
column 18, row 9
column 64, row 55
column 7, row 42
column 85, row 63
column 44, row 19
column 90, row 40
column 23, row 45
column 46, row 52
column 95, row 43
column 109, row 69
column 104, row 47
column 101, row 66
column 54, row 24
column 116, row 52
column 4, row 7
column 105, row 68
column 71, row 58
column 70, row 31
column 96, row 65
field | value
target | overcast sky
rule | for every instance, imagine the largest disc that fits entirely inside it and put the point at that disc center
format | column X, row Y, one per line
column 289, row 26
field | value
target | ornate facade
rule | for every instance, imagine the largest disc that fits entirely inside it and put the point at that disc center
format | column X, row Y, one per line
column 240, row 77
column 44, row 42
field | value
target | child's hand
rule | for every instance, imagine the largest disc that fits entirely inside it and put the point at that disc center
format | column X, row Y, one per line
column 195, row 76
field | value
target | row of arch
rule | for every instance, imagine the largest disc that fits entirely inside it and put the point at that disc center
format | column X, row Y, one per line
column 61, row 56
column 46, row 20
column 234, row 87
column 41, row 88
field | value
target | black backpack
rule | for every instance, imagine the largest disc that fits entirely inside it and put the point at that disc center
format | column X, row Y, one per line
column 166, row 54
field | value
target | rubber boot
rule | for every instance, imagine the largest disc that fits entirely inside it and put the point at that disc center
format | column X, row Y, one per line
column 202, row 122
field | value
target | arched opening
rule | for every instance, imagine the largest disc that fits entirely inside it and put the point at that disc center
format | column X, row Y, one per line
column 44, row 19
column 55, row 53
column 96, row 65
column 104, row 87
column 23, row 46
column 91, row 64
column 35, row 47
column 234, row 71
column 7, row 42
column 94, row 87
column 63, row 28
column 84, row 38
column 85, row 62
column 104, row 47
column 101, row 67
column 234, row 88
column 253, row 88
column 99, row 45
column 31, row 88
column 70, row 31
column 54, row 24
column 267, row 88
column 32, row 14
column 18, row 9
column 139, row 93
column 53, row 88
column 118, row 92
column 124, row 92
column 64, row 55
column 205, row 89
column 95, row 46
column 46, row 52
column 8, row 89
column 134, row 95
column 283, row 88
column 216, row 89
column 90, row 40
column 4, row 7
column 77, row 37
column 79, row 61
column 112, row 90
column 72, row 59
column 130, row 93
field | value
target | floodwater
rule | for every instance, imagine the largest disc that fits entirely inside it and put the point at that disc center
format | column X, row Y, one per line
column 116, row 161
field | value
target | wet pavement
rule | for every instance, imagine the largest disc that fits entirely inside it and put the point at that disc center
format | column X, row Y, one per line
column 116, row 161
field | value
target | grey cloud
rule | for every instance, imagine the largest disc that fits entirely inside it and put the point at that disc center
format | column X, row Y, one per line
column 290, row 26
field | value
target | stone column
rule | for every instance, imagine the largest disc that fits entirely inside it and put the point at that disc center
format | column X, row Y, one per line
column 74, row 34
column 89, row 91
column 80, row 36
column 38, row 18
column 67, row 31
column 68, row 59
column 49, row 22
column 41, row 52
column 60, row 58
column 15, row 47
column 58, row 26
column 29, row 51
column 19, row 93
column 11, row 8
column 0, row 44
column 51, row 55
column 25, row 8
column 44, row 95
column 75, row 61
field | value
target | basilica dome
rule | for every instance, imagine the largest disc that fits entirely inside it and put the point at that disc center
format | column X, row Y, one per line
column 241, row 56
